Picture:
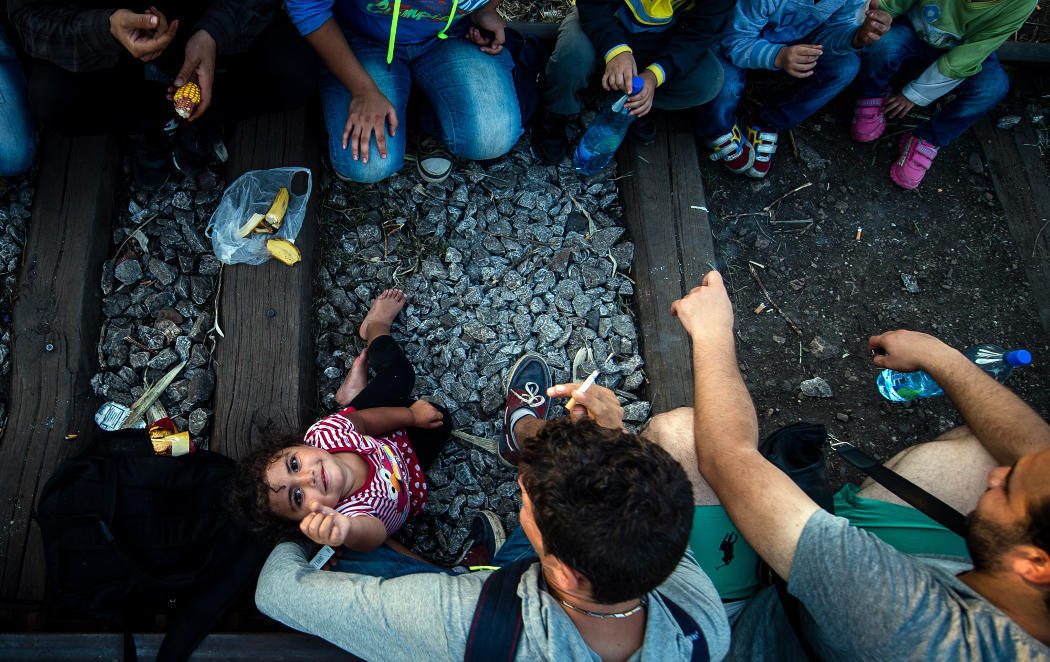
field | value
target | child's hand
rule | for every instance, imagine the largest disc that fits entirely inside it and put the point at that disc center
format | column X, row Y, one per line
column 369, row 114
column 325, row 526
column 641, row 103
column 897, row 105
column 619, row 71
column 798, row 60
column 876, row 23
column 425, row 415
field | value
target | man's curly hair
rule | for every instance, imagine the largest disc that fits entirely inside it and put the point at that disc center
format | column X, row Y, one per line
column 614, row 507
column 251, row 493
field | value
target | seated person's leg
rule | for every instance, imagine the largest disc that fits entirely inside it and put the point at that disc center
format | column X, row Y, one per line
column 569, row 67
column 696, row 88
column 117, row 100
column 974, row 97
column 954, row 468
column 472, row 94
column 567, row 72
column 717, row 123
column 17, row 133
column 719, row 548
column 395, row 83
column 831, row 75
column 899, row 47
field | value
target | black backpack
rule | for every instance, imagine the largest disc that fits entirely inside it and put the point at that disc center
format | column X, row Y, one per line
column 129, row 532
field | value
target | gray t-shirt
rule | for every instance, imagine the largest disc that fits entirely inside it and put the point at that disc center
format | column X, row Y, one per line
column 427, row 616
column 872, row 602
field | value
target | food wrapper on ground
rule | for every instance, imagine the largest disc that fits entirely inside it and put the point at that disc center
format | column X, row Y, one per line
column 255, row 209
column 186, row 99
column 166, row 441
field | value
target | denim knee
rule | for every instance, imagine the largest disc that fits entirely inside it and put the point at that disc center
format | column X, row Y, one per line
column 487, row 135
column 994, row 85
column 377, row 168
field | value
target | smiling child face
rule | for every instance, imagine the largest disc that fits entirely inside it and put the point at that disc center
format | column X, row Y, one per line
column 300, row 475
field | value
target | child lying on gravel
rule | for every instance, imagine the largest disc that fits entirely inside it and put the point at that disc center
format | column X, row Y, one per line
column 358, row 474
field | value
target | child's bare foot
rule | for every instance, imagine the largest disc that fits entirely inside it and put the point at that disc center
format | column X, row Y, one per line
column 355, row 381
column 382, row 313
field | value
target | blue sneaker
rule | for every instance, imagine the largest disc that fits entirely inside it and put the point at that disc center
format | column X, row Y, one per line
column 526, row 396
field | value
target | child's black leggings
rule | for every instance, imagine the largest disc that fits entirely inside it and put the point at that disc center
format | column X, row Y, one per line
column 392, row 387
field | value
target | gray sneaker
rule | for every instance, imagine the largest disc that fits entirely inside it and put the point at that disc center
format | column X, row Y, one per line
column 433, row 160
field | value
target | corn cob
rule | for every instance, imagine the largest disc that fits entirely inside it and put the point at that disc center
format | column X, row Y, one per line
column 186, row 99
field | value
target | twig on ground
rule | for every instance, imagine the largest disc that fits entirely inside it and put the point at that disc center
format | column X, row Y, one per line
column 497, row 235
column 754, row 274
column 480, row 442
column 130, row 234
column 592, row 227
column 1035, row 243
column 794, row 145
column 769, row 208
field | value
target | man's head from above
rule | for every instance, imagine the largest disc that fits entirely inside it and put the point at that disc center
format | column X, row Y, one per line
column 1010, row 528
column 613, row 507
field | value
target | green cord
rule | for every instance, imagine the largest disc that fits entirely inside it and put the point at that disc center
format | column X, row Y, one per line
column 393, row 32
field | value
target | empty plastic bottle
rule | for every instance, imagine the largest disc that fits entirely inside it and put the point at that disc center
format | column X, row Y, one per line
column 996, row 361
column 603, row 137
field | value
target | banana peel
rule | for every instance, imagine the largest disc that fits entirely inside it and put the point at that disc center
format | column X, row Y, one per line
column 270, row 222
column 275, row 215
column 284, row 250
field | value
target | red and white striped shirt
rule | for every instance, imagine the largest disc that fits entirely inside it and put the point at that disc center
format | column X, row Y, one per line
column 396, row 487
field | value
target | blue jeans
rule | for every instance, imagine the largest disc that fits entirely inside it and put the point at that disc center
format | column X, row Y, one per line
column 805, row 96
column 575, row 60
column 385, row 562
column 975, row 96
column 16, row 125
column 472, row 94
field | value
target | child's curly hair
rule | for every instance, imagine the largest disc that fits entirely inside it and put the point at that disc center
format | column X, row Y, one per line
column 250, row 498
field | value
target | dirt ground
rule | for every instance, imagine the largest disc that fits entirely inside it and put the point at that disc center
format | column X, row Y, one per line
column 949, row 237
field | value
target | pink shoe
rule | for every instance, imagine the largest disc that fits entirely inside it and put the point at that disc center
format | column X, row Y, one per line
column 916, row 157
column 868, row 120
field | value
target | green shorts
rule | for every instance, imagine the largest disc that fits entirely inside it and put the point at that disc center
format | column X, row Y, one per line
column 723, row 553
column 904, row 527
column 731, row 563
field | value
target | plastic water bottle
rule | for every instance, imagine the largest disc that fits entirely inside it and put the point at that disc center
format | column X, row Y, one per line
column 996, row 361
column 603, row 137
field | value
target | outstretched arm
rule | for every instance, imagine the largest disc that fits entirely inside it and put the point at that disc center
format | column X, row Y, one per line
column 1004, row 424
column 764, row 504
column 381, row 421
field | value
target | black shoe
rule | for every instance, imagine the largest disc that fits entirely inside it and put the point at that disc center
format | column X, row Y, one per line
column 195, row 146
column 151, row 162
column 549, row 138
column 643, row 130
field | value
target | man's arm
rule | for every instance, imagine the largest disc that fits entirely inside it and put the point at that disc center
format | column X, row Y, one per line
column 1004, row 424
column 67, row 35
column 764, row 504
column 234, row 24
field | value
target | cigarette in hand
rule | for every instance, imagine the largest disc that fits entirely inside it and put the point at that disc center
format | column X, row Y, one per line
column 587, row 383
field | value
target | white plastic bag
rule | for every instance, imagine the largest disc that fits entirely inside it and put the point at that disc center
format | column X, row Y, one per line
column 253, row 192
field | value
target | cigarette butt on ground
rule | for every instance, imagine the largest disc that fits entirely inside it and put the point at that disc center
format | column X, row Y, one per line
column 760, row 307
column 858, row 233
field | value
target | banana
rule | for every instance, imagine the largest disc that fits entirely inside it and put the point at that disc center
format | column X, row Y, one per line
column 251, row 226
column 284, row 250
column 275, row 216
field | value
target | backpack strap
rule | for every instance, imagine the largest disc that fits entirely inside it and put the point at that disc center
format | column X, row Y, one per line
column 496, row 628
column 914, row 495
column 689, row 628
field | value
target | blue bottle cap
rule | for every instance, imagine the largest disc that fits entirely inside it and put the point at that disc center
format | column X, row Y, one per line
column 1018, row 357
column 637, row 83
